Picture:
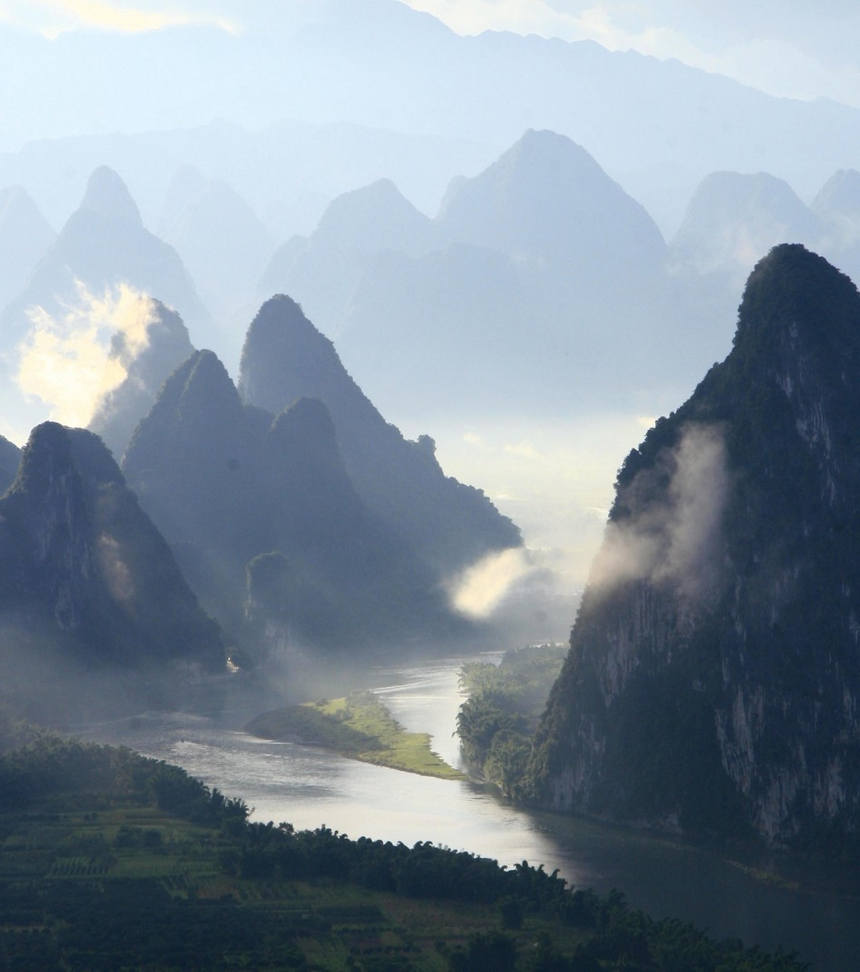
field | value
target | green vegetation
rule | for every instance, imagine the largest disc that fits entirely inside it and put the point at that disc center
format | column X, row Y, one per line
column 358, row 727
column 110, row 861
column 497, row 721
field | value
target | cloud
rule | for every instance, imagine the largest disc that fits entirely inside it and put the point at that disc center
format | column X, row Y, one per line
column 70, row 360
column 481, row 588
column 54, row 17
column 673, row 535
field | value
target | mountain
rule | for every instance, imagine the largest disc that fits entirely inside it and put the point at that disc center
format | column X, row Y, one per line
column 539, row 271
column 222, row 242
column 267, row 524
column 713, row 678
column 104, row 243
column 449, row 524
column 546, row 199
column 10, row 457
column 87, row 583
column 25, row 237
column 733, row 218
column 837, row 205
column 408, row 73
column 68, row 305
column 146, row 359
column 325, row 270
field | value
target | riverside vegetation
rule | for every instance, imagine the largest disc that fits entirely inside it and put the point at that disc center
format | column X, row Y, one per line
column 110, row 860
column 357, row 727
column 497, row 721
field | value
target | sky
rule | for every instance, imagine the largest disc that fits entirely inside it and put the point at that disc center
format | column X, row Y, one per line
column 784, row 47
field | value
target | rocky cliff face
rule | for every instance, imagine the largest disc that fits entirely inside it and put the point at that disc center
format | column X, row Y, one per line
column 713, row 678
column 85, row 578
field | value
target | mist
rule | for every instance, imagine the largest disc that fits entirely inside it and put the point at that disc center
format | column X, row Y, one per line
column 71, row 360
column 500, row 280
column 674, row 541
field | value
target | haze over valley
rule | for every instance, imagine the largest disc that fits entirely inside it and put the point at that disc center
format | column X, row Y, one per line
column 343, row 341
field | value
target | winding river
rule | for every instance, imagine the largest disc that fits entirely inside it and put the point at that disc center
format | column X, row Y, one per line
column 308, row 787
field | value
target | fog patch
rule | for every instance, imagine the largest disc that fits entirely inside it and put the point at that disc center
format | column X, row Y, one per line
column 73, row 358
column 481, row 588
column 674, row 532
column 115, row 569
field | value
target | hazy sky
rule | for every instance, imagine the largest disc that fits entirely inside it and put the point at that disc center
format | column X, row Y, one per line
column 785, row 47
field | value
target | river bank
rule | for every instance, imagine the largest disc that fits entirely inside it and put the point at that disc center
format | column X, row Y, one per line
column 283, row 781
column 357, row 727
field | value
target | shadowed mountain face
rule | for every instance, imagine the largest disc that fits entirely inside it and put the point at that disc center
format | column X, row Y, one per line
column 229, row 484
column 86, row 580
column 400, row 482
column 713, row 678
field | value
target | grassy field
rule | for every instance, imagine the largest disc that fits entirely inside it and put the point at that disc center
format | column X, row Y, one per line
column 357, row 727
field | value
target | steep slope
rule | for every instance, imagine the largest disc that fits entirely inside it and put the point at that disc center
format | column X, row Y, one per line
column 25, row 237
column 733, row 218
column 713, row 677
column 10, row 456
column 103, row 244
column 223, row 244
column 324, row 273
column 146, row 358
column 85, row 578
column 260, row 506
column 837, row 205
column 547, row 200
column 447, row 523
column 538, row 271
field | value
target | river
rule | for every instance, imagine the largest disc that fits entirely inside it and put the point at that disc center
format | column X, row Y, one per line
column 309, row 787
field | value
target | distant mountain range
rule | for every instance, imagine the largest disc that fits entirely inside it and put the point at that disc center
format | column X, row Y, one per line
column 659, row 126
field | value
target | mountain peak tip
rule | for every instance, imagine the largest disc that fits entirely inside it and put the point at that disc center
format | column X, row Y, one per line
column 108, row 195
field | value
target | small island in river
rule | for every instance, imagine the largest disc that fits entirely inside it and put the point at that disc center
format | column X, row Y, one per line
column 357, row 727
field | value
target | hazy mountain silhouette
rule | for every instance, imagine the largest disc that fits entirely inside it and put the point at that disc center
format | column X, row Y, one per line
column 325, row 270
column 664, row 114
column 103, row 244
column 222, row 242
column 86, row 580
column 713, row 676
column 229, row 483
column 540, row 272
column 547, row 200
column 733, row 219
column 285, row 357
column 25, row 237
column 838, row 207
